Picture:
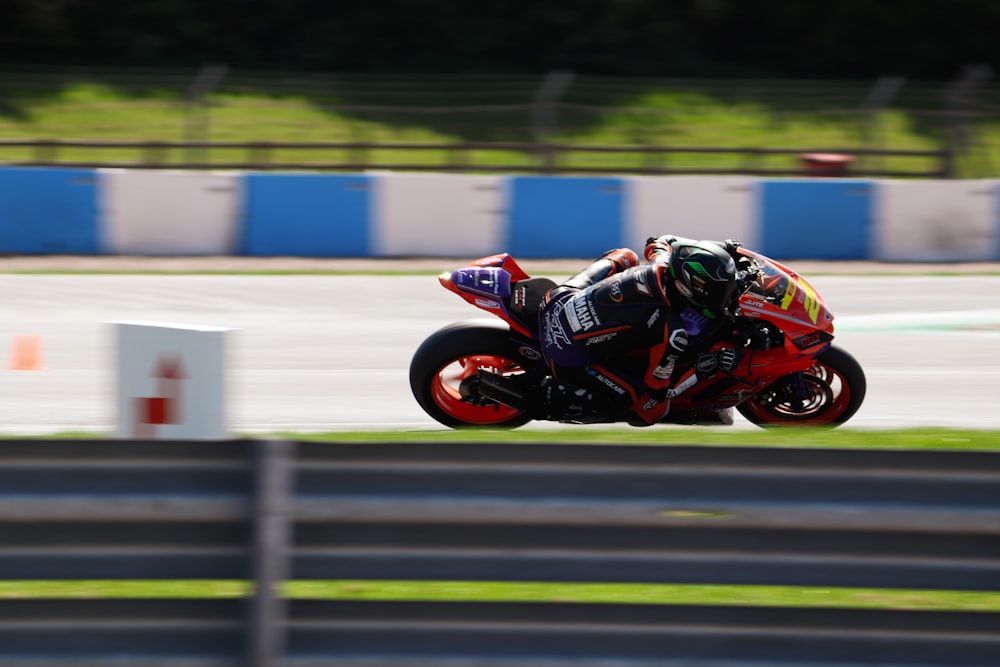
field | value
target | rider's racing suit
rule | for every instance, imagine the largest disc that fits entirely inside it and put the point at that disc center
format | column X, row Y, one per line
column 590, row 324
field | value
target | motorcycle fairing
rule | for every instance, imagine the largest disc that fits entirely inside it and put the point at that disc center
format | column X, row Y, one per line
column 780, row 294
column 506, row 262
column 489, row 283
column 486, row 287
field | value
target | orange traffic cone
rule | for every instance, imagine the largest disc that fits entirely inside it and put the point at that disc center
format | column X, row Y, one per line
column 26, row 353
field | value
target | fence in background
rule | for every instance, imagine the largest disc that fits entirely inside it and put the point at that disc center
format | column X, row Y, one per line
column 554, row 123
column 274, row 511
column 536, row 158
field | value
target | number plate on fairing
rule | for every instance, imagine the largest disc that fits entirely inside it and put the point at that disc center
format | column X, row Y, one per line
column 490, row 282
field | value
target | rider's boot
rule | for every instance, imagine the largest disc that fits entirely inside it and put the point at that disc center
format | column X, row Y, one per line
column 720, row 418
column 613, row 261
column 564, row 402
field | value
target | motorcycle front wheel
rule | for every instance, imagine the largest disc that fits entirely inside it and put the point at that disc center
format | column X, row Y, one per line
column 453, row 354
column 826, row 394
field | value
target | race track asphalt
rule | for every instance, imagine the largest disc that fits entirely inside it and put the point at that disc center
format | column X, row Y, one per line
column 330, row 352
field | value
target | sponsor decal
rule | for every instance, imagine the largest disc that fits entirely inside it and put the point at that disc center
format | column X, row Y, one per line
column 554, row 334
column 650, row 404
column 652, row 319
column 616, row 291
column 485, row 281
column 679, row 340
column 601, row 338
column 520, row 297
column 683, row 289
column 529, row 353
column 488, row 303
column 579, row 314
column 814, row 338
column 608, row 382
column 808, row 341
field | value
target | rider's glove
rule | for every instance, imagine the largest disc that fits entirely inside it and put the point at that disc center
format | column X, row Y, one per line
column 657, row 246
column 732, row 246
column 724, row 360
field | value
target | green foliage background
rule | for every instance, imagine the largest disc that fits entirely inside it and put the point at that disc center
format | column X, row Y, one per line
column 848, row 38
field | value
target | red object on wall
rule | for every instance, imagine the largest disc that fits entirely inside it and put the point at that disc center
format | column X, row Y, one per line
column 158, row 411
column 826, row 164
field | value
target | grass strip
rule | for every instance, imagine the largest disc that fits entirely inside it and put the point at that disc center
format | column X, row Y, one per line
column 784, row 596
column 842, row 438
column 798, row 437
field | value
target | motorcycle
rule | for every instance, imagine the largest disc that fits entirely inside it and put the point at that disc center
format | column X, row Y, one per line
column 488, row 373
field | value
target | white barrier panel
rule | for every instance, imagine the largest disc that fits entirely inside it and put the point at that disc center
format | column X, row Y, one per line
column 171, row 381
column 170, row 212
column 932, row 221
column 699, row 207
column 444, row 215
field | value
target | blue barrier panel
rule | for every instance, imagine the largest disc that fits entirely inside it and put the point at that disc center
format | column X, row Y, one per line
column 307, row 215
column 564, row 217
column 48, row 211
column 821, row 219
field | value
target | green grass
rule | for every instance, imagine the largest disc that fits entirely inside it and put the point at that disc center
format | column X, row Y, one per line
column 519, row 592
column 635, row 113
column 844, row 437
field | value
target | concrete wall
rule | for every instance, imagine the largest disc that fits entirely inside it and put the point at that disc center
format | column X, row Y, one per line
column 71, row 211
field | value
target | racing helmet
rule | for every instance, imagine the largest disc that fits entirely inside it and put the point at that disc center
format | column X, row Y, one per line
column 705, row 274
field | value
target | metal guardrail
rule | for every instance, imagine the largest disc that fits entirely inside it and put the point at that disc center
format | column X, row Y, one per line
column 539, row 158
column 547, row 117
column 271, row 511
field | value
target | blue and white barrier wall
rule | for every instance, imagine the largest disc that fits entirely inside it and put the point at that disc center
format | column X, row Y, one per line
column 136, row 212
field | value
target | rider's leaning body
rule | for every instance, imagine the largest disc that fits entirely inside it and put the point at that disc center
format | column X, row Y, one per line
column 670, row 306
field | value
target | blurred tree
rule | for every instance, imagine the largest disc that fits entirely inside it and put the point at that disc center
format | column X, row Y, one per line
column 627, row 37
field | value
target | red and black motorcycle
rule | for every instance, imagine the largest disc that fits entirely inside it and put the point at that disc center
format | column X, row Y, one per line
column 486, row 373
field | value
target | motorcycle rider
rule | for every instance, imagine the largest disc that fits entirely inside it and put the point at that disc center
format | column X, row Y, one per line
column 670, row 306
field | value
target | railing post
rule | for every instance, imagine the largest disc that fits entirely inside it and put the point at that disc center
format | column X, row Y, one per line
column 958, row 102
column 544, row 119
column 196, row 120
column 885, row 88
column 274, row 474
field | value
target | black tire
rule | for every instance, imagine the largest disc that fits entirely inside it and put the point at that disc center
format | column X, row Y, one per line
column 836, row 384
column 455, row 352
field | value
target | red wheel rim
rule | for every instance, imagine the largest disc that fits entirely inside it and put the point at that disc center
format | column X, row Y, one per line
column 444, row 390
column 829, row 397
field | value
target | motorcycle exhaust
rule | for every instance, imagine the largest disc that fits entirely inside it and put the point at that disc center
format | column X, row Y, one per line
column 485, row 387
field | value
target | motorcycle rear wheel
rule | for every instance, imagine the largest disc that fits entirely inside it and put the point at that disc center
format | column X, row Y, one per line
column 453, row 354
column 831, row 391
